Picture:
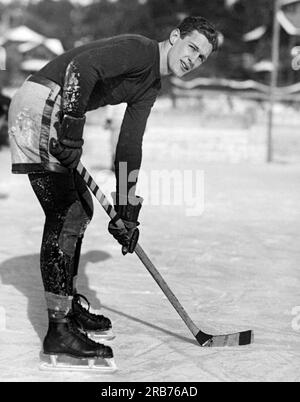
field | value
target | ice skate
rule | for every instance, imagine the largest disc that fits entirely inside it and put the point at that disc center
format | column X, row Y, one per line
column 67, row 347
column 97, row 326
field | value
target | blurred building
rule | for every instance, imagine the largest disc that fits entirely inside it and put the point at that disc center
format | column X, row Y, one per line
column 27, row 52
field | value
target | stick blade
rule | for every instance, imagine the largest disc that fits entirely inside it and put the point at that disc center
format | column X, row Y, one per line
column 219, row 341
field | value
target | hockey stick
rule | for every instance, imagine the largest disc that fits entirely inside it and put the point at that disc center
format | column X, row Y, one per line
column 238, row 338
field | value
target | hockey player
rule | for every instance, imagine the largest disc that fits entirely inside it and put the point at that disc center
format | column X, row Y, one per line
column 46, row 122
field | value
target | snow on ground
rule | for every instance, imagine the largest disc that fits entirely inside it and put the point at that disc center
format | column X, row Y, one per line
column 234, row 267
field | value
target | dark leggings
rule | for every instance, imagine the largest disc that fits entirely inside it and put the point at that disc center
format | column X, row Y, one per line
column 68, row 208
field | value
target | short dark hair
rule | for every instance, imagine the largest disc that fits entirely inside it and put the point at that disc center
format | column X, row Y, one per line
column 200, row 24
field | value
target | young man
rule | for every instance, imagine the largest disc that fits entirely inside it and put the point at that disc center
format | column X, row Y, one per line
column 46, row 121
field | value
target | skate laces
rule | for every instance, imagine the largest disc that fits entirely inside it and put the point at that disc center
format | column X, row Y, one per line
column 97, row 317
column 77, row 298
column 74, row 328
column 79, row 332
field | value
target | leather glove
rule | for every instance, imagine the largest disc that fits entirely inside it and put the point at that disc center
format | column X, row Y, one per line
column 67, row 149
column 128, row 236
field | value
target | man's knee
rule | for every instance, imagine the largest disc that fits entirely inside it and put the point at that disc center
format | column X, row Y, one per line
column 74, row 226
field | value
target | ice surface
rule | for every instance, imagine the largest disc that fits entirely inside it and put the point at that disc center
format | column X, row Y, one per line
column 235, row 267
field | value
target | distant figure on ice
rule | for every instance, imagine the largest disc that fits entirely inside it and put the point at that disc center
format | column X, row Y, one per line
column 112, row 123
column 4, row 105
column 46, row 122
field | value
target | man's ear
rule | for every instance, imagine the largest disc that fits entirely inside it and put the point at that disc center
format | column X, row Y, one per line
column 174, row 36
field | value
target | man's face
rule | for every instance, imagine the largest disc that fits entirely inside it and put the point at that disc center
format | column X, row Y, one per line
column 188, row 53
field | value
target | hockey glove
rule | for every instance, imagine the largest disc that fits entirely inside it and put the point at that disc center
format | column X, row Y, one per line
column 128, row 236
column 67, row 149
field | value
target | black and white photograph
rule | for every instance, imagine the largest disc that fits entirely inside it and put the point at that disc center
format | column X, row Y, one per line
column 149, row 194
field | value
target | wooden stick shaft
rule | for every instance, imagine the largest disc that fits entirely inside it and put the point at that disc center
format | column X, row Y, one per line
column 138, row 250
column 165, row 288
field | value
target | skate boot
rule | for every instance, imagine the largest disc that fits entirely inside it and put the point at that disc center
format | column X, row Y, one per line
column 65, row 340
column 97, row 326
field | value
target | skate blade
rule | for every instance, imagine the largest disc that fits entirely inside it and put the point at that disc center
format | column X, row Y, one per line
column 102, row 336
column 73, row 364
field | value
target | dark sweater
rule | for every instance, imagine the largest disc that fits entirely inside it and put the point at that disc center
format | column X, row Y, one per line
column 120, row 69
